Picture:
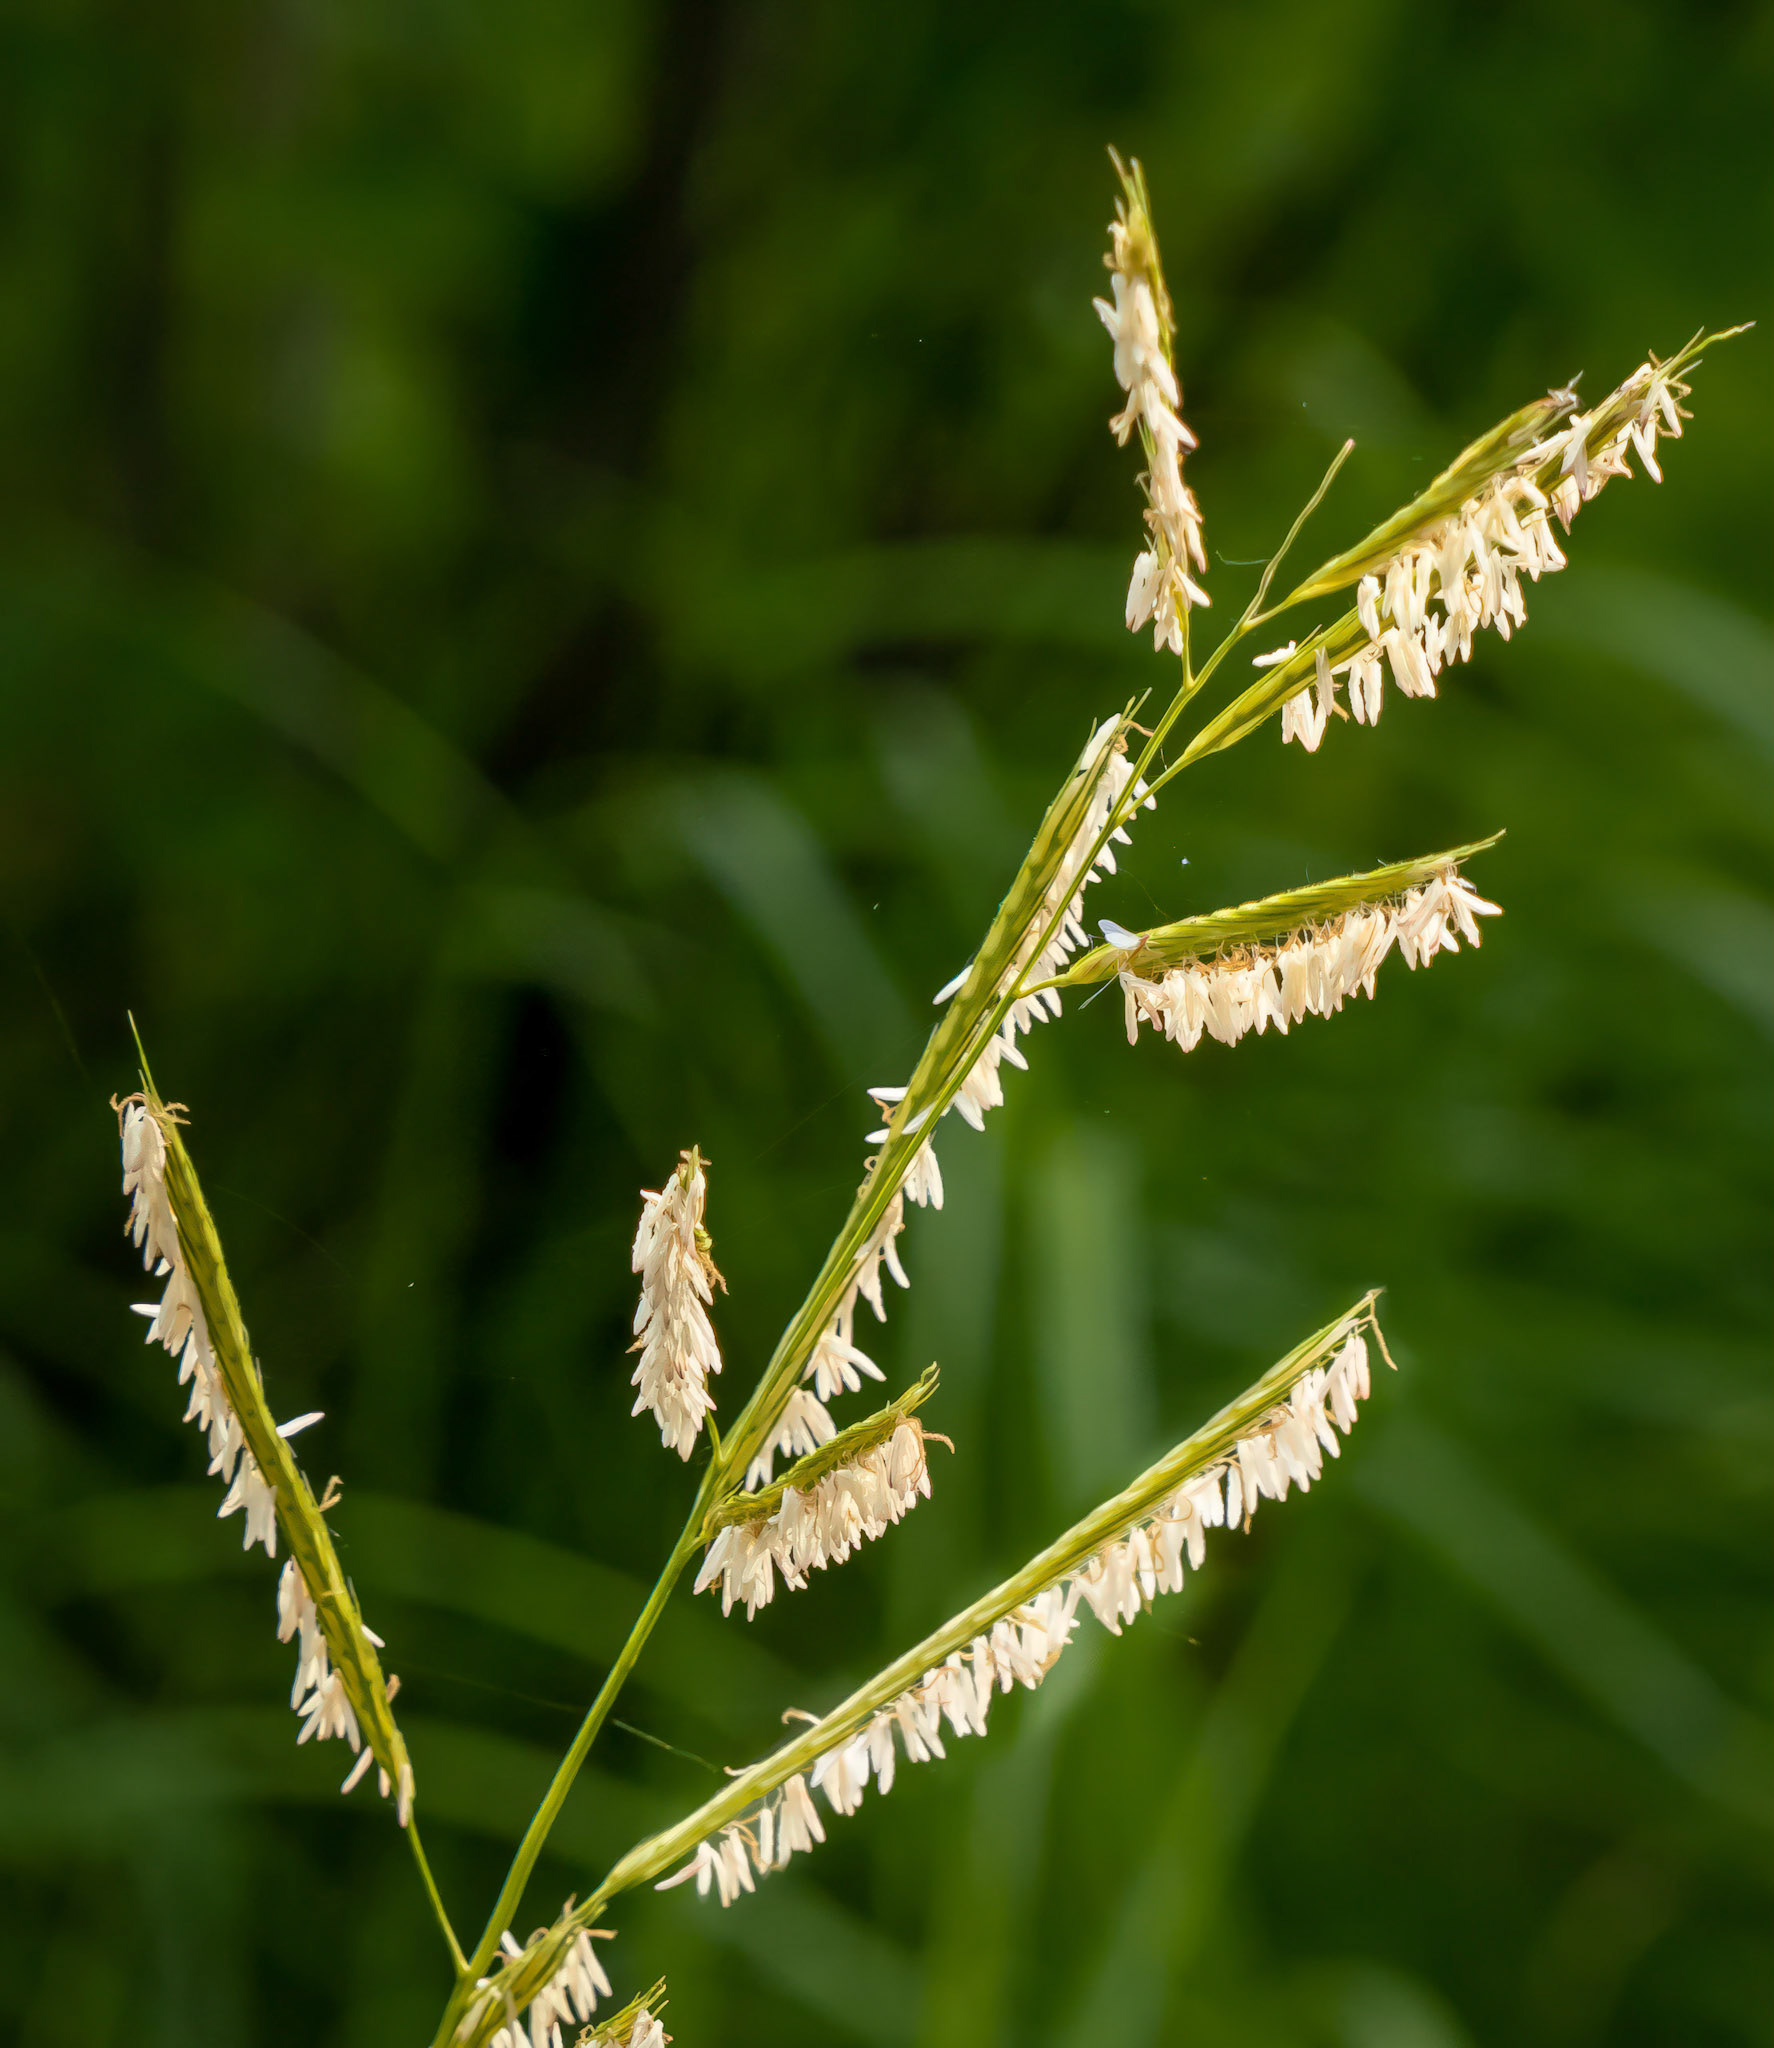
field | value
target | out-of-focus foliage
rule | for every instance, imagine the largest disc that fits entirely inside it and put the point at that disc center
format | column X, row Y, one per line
column 552, row 557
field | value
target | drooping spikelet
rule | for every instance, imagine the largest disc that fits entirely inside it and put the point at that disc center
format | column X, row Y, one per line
column 177, row 1322
column 1285, row 1447
column 807, row 1531
column 673, row 1334
column 1311, row 973
column 1164, row 587
column 568, row 1993
column 1465, row 572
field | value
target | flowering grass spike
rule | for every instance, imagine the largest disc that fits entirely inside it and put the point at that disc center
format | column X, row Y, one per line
column 676, row 1340
column 1420, row 586
column 846, row 1491
column 1116, row 1562
column 1311, row 973
column 1164, row 588
column 339, row 1691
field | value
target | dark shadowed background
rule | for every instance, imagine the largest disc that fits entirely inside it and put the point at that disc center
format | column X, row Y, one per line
column 552, row 557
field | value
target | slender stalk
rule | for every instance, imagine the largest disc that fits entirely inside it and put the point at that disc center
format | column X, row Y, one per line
column 1254, row 612
column 432, row 1893
column 537, row 1833
column 1251, row 617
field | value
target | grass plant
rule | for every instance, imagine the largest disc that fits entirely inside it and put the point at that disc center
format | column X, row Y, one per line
column 1451, row 563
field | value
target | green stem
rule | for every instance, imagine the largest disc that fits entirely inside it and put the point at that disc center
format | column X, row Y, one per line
column 1252, row 616
column 1255, row 608
column 537, row 1833
column 432, row 1893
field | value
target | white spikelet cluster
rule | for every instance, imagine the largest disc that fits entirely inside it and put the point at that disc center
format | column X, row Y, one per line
column 1163, row 588
column 804, row 1424
column 1285, row 1448
column 673, row 1334
column 1471, row 565
column 569, row 1996
column 837, row 1364
column 319, row 1694
column 177, row 1322
column 642, row 2031
column 1651, row 397
column 787, row 1822
column 1305, row 715
column 1312, row 973
column 841, row 1511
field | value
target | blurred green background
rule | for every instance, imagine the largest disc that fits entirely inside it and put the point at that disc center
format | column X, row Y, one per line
column 552, row 557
